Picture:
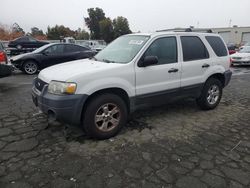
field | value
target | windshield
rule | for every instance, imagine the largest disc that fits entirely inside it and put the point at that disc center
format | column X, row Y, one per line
column 38, row 50
column 245, row 50
column 122, row 50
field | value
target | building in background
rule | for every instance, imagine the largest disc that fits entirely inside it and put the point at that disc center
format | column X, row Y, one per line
column 235, row 35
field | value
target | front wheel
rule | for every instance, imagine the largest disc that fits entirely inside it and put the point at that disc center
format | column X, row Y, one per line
column 211, row 94
column 30, row 67
column 104, row 116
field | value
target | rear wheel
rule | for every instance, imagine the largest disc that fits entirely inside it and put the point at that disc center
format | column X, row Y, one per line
column 30, row 67
column 210, row 95
column 104, row 116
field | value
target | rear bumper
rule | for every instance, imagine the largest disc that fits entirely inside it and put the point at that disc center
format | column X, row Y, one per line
column 65, row 108
column 227, row 76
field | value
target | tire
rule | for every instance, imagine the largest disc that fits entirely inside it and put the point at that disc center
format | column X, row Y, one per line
column 211, row 94
column 19, row 47
column 30, row 67
column 98, row 120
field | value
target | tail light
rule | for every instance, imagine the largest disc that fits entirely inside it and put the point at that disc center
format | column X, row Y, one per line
column 3, row 58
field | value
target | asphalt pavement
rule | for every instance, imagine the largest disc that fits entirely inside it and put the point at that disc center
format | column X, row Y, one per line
column 176, row 145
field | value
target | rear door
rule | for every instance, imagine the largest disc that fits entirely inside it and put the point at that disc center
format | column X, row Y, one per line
column 195, row 63
column 74, row 52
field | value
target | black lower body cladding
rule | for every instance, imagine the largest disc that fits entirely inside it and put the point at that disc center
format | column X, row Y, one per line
column 227, row 76
column 66, row 108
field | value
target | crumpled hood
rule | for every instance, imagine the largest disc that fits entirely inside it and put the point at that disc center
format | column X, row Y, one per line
column 14, row 58
column 68, row 71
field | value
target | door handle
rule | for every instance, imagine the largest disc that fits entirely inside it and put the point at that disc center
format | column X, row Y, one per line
column 173, row 70
column 205, row 65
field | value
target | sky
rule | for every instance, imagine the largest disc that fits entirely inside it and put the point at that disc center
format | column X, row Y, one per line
column 143, row 15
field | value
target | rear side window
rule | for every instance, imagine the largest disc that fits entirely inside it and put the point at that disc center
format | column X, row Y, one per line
column 217, row 45
column 193, row 48
column 31, row 39
column 74, row 48
column 22, row 39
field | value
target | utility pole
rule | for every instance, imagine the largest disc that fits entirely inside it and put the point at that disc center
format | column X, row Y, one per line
column 230, row 22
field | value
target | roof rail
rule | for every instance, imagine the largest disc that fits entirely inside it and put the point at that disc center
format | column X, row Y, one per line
column 187, row 30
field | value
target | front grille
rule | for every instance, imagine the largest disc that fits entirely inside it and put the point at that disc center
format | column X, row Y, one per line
column 236, row 58
column 39, row 84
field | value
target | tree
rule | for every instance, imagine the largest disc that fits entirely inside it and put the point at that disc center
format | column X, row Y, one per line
column 56, row 32
column 106, row 30
column 17, row 29
column 121, row 26
column 36, row 32
column 8, row 33
column 95, row 16
column 81, row 34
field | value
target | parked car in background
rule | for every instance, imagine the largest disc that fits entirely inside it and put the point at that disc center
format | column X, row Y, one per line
column 98, row 48
column 50, row 54
column 5, row 70
column 242, row 57
column 232, row 48
column 244, row 45
column 26, row 42
column 69, row 40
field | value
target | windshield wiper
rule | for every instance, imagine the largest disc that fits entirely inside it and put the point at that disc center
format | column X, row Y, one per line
column 93, row 58
column 108, row 61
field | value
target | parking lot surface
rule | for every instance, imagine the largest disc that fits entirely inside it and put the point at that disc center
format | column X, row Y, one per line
column 176, row 145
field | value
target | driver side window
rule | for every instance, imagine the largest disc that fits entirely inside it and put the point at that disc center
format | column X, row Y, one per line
column 165, row 49
column 56, row 49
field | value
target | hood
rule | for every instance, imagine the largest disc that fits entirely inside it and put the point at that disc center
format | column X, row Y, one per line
column 15, row 58
column 237, row 54
column 68, row 71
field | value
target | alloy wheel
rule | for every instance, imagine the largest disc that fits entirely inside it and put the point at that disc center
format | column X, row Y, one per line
column 107, row 117
column 30, row 68
column 213, row 94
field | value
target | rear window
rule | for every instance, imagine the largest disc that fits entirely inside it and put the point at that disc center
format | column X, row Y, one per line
column 218, row 46
column 193, row 48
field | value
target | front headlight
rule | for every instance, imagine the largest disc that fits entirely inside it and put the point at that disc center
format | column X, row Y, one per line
column 59, row 88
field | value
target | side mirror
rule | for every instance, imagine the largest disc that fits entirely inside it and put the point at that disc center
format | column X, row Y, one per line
column 147, row 61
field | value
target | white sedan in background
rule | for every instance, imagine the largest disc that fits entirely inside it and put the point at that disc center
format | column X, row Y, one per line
column 241, row 57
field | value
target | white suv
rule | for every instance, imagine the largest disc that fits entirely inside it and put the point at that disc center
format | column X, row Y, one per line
column 133, row 71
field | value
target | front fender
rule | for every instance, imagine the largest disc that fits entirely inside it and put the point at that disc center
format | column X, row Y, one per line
column 106, row 83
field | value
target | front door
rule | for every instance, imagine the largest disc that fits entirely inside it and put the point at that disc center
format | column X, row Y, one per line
column 53, row 55
column 157, row 82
